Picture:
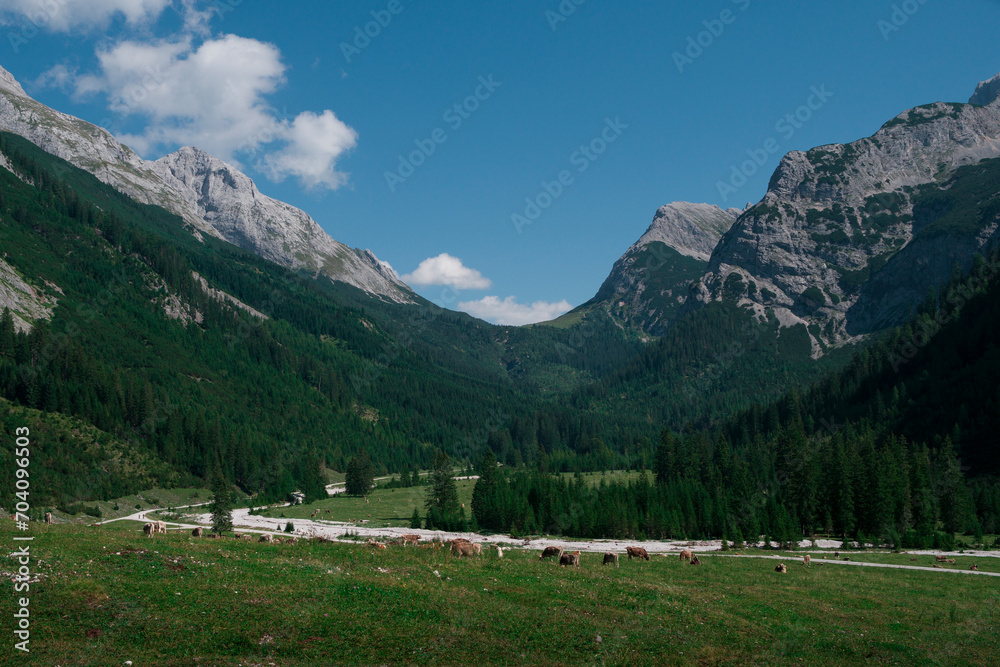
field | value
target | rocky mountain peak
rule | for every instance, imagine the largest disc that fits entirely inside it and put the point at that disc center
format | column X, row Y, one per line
column 693, row 230
column 10, row 84
column 987, row 92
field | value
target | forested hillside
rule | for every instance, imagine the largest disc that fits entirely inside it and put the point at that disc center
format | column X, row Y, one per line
column 901, row 445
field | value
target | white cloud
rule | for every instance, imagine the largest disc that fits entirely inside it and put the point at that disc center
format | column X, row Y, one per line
column 447, row 270
column 67, row 15
column 510, row 312
column 214, row 95
column 314, row 144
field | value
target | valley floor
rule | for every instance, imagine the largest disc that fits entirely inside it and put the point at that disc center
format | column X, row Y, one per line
column 102, row 595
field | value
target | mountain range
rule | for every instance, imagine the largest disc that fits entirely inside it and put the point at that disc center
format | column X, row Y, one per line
column 232, row 303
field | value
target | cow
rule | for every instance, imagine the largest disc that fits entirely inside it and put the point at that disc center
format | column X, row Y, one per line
column 246, row 537
column 941, row 567
column 410, row 539
column 327, row 511
column 806, row 559
column 780, row 568
column 686, row 555
column 197, row 532
column 975, row 567
column 846, row 558
column 499, row 553
column 610, row 558
column 695, row 561
column 161, row 527
column 465, row 549
column 570, row 560
column 551, row 552
column 149, row 529
column 941, row 559
column 636, row 552
column 48, row 517
column 267, row 538
column 836, row 554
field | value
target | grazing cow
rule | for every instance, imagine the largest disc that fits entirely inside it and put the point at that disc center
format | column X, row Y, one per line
column 780, row 568
column 636, row 552
column 266, row 538
column 247, row 537
column 465, row 549
column 410, row 539
column 161, row 527
column 836, row 554
column 686, row 555
column 570, row 560
column 551, row 552
column 327, row 511
column 48, row 517
column 806, row 559
column 939, row 566
column 695, row 561
column 975, row 567
column 197, row 532
column 610, row 558
column 846, row 558
column 941, row 559
column 149, row 529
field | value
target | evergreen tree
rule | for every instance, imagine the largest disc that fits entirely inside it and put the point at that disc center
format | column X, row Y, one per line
column 485, row 504
column 442, row 497
column 222, row 505
column 360, row 475
column 415, row 519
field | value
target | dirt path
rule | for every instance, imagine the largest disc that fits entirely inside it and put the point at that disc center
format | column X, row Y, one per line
column 858, row 563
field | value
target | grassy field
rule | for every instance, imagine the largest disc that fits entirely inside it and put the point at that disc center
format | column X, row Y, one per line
column 108, row 595
column 385, row 507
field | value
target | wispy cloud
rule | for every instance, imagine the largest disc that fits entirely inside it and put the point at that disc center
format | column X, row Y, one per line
column 68, row 15
column 509, row 312
column 447, row 270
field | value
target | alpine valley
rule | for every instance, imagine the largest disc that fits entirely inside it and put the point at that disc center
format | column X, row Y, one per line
column 165, row 321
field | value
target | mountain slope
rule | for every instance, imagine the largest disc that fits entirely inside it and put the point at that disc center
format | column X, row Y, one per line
column 650, row 284
column 230, row 202
column 840, row 220
column 211, row 197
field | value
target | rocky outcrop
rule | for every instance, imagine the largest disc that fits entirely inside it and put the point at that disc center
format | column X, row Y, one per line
column 832, row 243
column 230, row 202
column 211, row 197
column 650, row 283
column 987, row 92
column 27, row 304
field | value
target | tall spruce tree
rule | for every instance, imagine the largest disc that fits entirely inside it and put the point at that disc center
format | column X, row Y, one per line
column 222, row 504
column 360, row 475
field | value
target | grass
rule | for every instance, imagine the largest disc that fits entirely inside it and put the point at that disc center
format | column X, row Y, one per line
column 109, row 595
column 385, row 507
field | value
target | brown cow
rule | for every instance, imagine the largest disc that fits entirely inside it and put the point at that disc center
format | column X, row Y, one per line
column 975, row 566
column 551, row 552
column 149, row 529
column 695, row 561
column 685, row 555
column 806, row 559
column 570, row 560
column 940, row 559
column 266, row 538
column 197, row 532
column 636, row 552
column 780, row 568
column 610, row 558
column 161, row 527
column 410, row 539
column 48, row 517
column 465, row 549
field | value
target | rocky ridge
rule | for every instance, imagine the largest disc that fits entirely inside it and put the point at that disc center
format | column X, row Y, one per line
column 206, row 193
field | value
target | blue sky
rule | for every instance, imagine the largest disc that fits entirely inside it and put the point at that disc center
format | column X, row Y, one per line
column 617, row 100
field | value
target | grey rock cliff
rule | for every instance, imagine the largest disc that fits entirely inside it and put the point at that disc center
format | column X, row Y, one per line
column 211, row 197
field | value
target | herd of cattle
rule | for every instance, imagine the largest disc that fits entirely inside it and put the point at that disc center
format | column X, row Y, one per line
column 463, row 548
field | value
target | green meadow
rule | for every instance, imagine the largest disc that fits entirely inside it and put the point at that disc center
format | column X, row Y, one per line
column 108, row 595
